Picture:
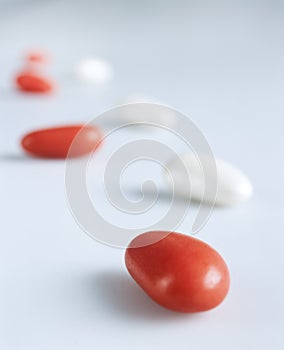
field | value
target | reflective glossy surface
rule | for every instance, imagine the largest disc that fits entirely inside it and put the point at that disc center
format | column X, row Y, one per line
column 55, row 142
column 34, row 83
column 179, row 272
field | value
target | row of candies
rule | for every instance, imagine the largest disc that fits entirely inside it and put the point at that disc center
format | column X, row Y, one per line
column 31, row 78
column 177, row 271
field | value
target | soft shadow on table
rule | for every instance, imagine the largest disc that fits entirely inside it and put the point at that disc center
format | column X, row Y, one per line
column 10, row 157
column 18, row 157
column 9, row 93
column 118, row 294
column 165, row 196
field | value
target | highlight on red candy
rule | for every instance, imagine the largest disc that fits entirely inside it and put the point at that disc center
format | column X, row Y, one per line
column 55, row 142
column 179, row 272
column 32, row 82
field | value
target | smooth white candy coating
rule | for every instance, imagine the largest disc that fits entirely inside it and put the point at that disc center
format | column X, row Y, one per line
column 165, row 117
column 233, row 185
column 94, row 70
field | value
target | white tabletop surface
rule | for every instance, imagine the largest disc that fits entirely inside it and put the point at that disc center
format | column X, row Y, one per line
column 219, row 62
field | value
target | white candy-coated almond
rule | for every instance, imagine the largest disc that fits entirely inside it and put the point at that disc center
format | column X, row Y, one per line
column 233, row 186
column 162, row 117
column 94, row 70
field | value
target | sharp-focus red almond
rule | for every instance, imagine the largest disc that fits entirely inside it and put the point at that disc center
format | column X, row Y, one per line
column 56, row 142
column 32, row 82
column 179, row 272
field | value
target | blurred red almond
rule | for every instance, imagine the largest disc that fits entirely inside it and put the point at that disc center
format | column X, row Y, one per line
column 56, row 142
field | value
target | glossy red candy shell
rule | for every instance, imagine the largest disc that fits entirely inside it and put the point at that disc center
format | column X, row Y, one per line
column 32, row 82
column 56, row 142
column 179, row 272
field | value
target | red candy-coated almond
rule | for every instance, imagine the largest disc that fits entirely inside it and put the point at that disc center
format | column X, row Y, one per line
column 37, row 57
column 32, row 82
column 179, row 272
column 56, row 142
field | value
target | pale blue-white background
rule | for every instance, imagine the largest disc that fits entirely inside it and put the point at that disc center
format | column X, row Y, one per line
column 219, row 62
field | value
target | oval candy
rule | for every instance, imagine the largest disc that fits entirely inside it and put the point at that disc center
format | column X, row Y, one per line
column 179, row 272
column 233, row 186
column 94, row 70
column 34, row 83
column 133, row 111
column 56, row 142
column 37, row 56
